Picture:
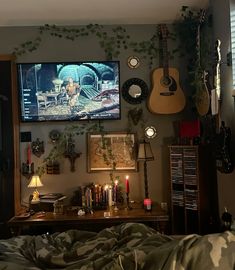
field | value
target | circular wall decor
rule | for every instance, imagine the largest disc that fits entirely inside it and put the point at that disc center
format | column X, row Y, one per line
column 134, row 91
column 150, row 132
column 54, row 135
column 133, row 62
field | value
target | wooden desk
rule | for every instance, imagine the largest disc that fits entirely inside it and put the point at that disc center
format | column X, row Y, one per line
column 157, row 219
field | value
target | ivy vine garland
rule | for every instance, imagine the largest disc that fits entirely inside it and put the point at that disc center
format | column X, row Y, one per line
column 112, row 41
column 116, row 39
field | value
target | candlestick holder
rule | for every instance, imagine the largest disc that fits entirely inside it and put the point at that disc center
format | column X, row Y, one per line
column 115, row 207
column 128, row 207
column 115, row 202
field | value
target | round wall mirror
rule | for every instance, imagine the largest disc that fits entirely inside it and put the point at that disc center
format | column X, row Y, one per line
column 54, row 135
column 134, row 91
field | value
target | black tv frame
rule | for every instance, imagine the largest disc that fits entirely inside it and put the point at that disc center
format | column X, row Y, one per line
column 102, row 113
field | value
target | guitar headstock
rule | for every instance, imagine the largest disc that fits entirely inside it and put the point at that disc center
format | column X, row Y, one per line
column 201, row 16
column 217, row 68
column 163, row 31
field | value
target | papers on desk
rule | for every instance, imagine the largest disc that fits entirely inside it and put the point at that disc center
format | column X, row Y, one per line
column 23, row 216
column 51, row 197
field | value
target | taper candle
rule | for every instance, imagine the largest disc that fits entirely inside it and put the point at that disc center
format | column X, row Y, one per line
column 29, row 154
column 115, row 190
column 127, row 184
column 110, row 200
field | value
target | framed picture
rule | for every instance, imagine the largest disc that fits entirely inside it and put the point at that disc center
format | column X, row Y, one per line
column 111, row 151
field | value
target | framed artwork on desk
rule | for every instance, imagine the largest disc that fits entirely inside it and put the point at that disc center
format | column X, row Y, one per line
column 111, row 151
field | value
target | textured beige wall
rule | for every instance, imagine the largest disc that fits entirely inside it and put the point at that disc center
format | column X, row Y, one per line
column 54, row 49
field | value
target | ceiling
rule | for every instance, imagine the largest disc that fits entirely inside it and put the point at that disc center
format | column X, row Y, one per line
column 77, row 12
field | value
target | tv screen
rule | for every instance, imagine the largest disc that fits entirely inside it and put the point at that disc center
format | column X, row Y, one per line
column 69, row 91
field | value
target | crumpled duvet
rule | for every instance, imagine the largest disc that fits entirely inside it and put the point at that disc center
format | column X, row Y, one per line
column 127, row 246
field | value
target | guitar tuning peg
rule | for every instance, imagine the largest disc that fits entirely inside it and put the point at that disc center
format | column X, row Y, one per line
column 228, row 61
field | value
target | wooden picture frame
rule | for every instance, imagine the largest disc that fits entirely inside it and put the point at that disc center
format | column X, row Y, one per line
column 111, row 151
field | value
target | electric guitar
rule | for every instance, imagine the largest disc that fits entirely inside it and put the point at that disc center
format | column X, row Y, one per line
column 166, row 96
column 202, row 96
column 223, row 134
column 216, row 91
column 223, row 155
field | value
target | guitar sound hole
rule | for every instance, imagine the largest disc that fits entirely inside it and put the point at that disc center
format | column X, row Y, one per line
column 166, row 81
column 169, row 82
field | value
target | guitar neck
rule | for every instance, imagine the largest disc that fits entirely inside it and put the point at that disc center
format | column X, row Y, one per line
column 217, row 85
column 218, row 121
column 198, row 42
column 217, row 69
column 163, row 52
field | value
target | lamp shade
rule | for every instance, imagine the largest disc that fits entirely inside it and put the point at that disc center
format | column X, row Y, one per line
column 35, row 181
column 145, row 152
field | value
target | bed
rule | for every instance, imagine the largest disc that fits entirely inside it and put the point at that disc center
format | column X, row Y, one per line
column 127, row 246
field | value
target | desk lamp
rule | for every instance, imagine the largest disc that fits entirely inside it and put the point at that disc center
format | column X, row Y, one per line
column 145, row 154
column 35, row 182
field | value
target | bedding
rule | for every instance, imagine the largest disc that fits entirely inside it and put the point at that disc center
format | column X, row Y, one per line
column 127, row 246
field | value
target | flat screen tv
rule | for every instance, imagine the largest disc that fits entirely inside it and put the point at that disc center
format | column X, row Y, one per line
column 69, row 91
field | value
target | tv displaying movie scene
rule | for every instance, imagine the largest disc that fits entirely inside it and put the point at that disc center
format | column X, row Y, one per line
column 69, row 91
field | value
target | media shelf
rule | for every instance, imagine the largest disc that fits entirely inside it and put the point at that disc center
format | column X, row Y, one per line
column 193, row 182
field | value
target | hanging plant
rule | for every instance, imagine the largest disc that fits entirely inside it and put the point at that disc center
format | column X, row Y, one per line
column 149, row 49
column 57, row 151
column 112, row 42
column 198, row 58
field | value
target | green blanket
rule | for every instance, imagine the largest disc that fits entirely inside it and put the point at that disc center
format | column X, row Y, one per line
column 127, row 246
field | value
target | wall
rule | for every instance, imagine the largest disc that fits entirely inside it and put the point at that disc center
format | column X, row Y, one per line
column 226, row 183
column 55, row 49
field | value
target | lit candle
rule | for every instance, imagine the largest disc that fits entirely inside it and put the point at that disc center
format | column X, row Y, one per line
column 115, row 190
column 29, row 154
column 127, row 184
column 110, row 199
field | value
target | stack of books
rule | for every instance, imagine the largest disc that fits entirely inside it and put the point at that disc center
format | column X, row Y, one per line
column 46, row 202
column 51, row 197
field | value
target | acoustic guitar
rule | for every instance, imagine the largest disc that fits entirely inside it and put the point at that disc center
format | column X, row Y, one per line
column 166, row 96
column 202, row 96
